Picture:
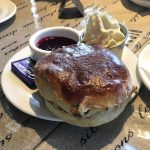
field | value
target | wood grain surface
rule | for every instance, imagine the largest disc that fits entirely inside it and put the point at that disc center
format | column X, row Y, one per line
column 19, row 131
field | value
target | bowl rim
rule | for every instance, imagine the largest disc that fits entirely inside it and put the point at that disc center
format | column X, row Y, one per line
column 39, row 33
column 126, row 36
column 33, row 46
column 123, row 41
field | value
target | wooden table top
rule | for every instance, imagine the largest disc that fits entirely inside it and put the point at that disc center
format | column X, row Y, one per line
column 20, row 131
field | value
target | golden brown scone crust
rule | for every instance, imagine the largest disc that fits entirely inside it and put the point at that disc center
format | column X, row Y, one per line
column 89, row 76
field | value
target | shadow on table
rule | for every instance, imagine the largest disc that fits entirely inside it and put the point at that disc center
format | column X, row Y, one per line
column 7, row 23
column 67, row 12
column 64, row 136
column 27, row 131
column 134, row 7
column 95, row 138
column 15, row 113
column 145, row 95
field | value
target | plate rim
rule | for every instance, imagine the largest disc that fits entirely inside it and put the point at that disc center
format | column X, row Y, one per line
column 27, row 54
column 139, row 66
column 5, row 71
column 10, row 14
column 143, row 3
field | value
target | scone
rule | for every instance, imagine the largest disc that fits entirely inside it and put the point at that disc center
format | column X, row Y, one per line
column 84, row 85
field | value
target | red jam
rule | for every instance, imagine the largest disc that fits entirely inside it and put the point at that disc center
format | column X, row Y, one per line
column 51, row 43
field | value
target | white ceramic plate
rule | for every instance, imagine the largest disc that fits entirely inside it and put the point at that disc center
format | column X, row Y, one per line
column 144, row 66
column 28, row 101
column 145, row 3
column 7, row 10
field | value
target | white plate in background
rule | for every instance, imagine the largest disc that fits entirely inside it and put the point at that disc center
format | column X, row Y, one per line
column 7, row 10
column 24, row 98
column 144, row 66
column 145, row 3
